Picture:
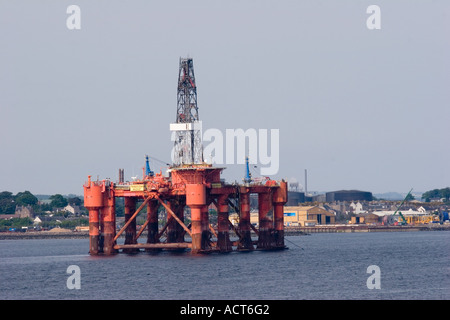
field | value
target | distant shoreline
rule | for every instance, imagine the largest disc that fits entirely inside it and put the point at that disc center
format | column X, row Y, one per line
column 43, row 235
column 288, row 231
column 349, row 228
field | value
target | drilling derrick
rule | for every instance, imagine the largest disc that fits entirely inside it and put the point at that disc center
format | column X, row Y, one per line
column 188, row 147
column 192, row 185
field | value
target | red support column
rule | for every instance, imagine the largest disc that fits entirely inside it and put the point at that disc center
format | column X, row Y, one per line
column 171, row 224
column 152, row 217
column 196, row 200
column 175, row 232
column 93, row 231
column 130, row 231
column 223, row 238
column 93, row 201
column 279, row 199
column 109, row 223
column 181, row 203
column 265, row 238
column 196, row 228
column 245, row 243
column 206, row 233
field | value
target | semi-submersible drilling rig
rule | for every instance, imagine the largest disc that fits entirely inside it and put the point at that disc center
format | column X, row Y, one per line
column 190, row 183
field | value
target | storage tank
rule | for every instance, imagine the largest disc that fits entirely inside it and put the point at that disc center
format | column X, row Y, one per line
column 294, row 198
column 348, row 195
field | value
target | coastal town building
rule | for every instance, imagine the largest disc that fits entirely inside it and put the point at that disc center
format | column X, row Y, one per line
column 20, row 212
column 357, row 208
column 365, row 218
column 73, row 209
column 307, row 216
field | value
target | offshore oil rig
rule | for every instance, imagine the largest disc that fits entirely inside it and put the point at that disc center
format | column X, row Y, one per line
column 190, row 186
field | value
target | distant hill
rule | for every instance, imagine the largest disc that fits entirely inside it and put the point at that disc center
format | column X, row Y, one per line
column 394, row 196
column 42, row 196
column 47, row 196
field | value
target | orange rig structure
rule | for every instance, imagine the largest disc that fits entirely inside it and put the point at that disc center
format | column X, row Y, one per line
column 191, row 186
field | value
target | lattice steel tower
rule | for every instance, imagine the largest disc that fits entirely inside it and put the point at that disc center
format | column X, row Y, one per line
column 188, row 148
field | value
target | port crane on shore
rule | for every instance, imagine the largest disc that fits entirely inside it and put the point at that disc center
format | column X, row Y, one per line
column 398, row 208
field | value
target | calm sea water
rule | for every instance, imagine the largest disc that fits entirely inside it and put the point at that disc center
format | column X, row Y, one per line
column 413, row 265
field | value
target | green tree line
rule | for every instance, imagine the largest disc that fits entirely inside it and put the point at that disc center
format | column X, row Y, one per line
column 8, row 202
column 18, row 223
column 437, row 194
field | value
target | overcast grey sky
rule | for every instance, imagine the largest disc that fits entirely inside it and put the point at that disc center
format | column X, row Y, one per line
column 358, row 108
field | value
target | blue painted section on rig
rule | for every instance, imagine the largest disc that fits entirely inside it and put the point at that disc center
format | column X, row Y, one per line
column 248, row 175
column 148, row 172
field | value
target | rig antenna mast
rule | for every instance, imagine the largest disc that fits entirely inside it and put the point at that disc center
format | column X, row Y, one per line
column 188, row 147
